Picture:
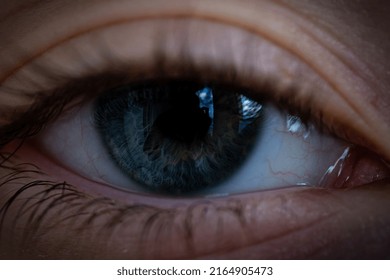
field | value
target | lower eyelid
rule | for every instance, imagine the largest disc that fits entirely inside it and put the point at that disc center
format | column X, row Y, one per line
column 284, row 223
column 134, row 231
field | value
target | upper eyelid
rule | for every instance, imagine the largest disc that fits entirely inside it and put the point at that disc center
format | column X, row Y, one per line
column 296, row 23
column 38, row 106
column 353, row 103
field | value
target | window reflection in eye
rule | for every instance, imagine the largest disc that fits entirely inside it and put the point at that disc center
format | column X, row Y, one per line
column 148, row 115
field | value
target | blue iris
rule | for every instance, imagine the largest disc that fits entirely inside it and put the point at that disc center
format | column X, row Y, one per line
column 177, row 137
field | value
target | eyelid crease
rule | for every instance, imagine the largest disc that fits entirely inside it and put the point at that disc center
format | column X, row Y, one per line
column 196, row 9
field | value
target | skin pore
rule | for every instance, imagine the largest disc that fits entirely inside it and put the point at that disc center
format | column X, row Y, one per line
column 341, row 47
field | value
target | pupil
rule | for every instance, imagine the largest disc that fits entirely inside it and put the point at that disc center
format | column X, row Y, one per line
column 178, row 137
column 185, row 123
column 180, row 125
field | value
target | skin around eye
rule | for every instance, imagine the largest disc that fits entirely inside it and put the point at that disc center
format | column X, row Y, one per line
column 289, row 223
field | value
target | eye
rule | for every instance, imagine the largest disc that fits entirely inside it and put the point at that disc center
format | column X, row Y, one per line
column 290, row 140
column 179, row 137
column 257, row 72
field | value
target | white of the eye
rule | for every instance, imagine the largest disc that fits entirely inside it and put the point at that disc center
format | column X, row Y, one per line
column 75, row 140
column 286, row 154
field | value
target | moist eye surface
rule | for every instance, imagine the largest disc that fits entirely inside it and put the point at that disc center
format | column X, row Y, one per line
column 177, row 137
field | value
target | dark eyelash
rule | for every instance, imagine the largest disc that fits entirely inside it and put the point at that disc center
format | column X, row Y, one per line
column 60, row 195
column 23, row 127
column 46, row 108
column 49, row 105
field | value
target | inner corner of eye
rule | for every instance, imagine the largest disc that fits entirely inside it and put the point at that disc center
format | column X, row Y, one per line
column 182, row 138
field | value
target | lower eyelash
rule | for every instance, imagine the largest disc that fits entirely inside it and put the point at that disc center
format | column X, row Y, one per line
column 59, row 204
column 59, row 198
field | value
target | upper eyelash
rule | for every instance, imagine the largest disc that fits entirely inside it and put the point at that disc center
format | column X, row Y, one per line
column 23, row 127
column 49, row 105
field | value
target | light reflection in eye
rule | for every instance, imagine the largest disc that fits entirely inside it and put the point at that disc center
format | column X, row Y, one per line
column 295, row 126
column 206, row 100
column 250, row 109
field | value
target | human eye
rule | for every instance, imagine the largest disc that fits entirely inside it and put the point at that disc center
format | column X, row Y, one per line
column 80, row 80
